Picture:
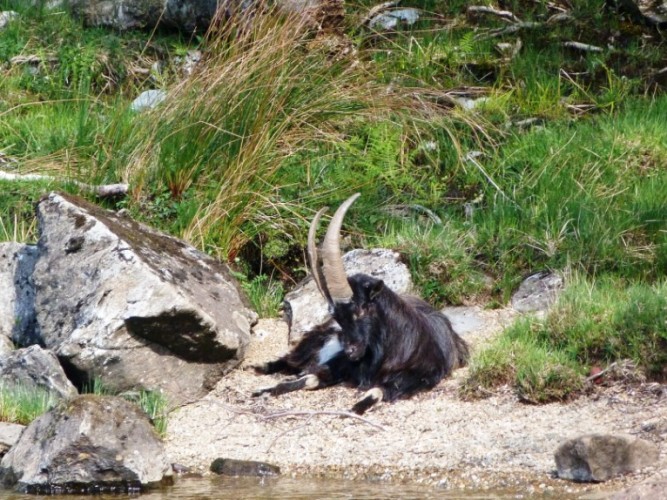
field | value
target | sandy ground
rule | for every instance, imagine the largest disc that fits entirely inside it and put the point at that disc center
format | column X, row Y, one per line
column 434, row 438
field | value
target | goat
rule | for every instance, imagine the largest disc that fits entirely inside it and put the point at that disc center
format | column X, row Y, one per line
column 393, row 346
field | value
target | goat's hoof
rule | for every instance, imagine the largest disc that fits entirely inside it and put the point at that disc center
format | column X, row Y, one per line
column 260, row 369
column 357, row 410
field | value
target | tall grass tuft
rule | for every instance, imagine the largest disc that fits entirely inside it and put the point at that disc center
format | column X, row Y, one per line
column 153, row 403
column 21, row 404
column 264, row 93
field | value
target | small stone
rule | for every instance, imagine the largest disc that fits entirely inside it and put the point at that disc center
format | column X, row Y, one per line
column 537, row 292
column 601, row 457
column 232, row 467
column 148, row 100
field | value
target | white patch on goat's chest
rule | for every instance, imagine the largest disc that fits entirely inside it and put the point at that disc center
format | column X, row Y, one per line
column 330, row 348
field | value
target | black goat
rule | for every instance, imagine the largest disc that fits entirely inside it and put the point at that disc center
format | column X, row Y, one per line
column 392, row 345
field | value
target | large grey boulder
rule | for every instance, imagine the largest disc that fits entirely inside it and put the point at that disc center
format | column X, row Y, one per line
column 188, row 15
column 304, row 306
column 36, row 368
column 17, row 300
column 91, row 444
column 193, row 15
column 597, row 457
column 118, row 301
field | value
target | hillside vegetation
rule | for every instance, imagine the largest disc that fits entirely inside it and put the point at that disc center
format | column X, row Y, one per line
column 481, row 163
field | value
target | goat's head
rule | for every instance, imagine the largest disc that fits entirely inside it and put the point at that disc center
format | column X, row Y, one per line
column 351, row 300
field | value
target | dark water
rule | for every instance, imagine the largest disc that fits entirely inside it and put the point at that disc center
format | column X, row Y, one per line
column 219, row 487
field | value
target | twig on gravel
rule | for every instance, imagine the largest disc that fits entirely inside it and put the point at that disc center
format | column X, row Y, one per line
column 291, row 429
column 308, row 413
column 231, row 408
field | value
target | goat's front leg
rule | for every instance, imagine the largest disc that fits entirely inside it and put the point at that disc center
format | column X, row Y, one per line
column 309, row 382
column 369, row 399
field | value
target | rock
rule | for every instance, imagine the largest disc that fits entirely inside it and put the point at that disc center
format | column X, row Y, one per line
column 92, row 444
column 148, row 99
column 6, row 346
column 122, row 14
column 390, row 20
column 36, row 368
column 464, row 319
column 9, row 435
column 192, row 16
column 599, row 457
column 6, row 17
column 326, row 15
column 305, row 307
column 17, row 302
column 231, row 467
column 187, row 64
column 537, row 292
column 138, row 309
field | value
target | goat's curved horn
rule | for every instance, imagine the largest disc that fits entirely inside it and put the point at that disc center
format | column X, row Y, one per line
column 332, row 260
column 313, row 262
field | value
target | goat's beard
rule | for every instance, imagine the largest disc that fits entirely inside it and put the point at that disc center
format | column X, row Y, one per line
column 355, row 351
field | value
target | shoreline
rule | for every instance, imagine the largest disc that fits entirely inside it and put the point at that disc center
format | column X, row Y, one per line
column 434, row 439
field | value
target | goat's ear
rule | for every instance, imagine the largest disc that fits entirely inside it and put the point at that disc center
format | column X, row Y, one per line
column 375, row 290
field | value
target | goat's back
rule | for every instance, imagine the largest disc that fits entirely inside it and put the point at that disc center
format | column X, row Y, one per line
column 450, row 343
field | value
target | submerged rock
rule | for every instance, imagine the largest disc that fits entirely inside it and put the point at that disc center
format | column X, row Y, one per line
column 92, row 444
column 232, row 467
column 599, row 457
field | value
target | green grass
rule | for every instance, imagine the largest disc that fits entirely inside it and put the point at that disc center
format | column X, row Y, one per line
column 594, row 323
column 440, row 257
column 17, row 209
column 265, row 294
column 153, row 403
column 592, row 196
column 21, row 405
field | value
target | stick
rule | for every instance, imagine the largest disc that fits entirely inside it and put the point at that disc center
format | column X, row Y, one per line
column 584, row 47
column 103, row 190
column 307, row 413
column 503, row 14
column 512, row 28
column 291, row 429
